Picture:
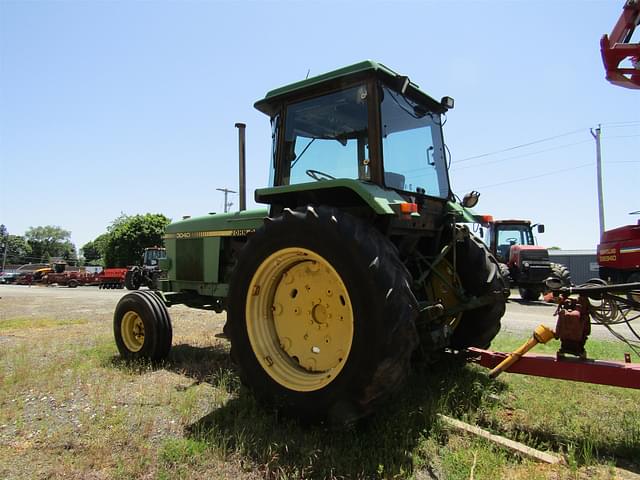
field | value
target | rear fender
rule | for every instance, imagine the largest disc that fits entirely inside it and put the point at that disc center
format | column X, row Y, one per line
column 341, row 193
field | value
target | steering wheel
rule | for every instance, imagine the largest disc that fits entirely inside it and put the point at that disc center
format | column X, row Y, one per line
column 319, row 176
column 512, row 241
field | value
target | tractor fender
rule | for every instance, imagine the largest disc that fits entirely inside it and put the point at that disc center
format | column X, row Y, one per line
column 340, row 192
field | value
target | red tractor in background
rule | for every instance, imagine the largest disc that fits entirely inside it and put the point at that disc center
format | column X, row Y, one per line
column 522, row 263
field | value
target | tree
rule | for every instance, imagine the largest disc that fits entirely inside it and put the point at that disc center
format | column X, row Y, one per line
column 50, row 241
column 18, row 250
column 94, row 251
column 128, row 236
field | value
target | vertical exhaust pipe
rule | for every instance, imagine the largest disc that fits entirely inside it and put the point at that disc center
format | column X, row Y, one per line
column 242, row 174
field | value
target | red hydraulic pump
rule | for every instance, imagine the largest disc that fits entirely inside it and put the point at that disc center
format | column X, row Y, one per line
column 617, row 47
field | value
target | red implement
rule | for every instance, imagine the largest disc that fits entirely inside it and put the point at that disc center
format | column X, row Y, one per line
column 113, row 277
column 617, row 47
column 601, row 372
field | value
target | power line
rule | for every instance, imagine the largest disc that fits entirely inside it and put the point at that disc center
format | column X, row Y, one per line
column 520, row 146
column 536, row 176
column 537, row 152
column 623, row 124
column 620, row 136
column 521, row 156
column 628, row 123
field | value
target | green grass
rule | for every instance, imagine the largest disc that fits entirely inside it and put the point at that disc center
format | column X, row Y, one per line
column 29, row 323
column 71, row 407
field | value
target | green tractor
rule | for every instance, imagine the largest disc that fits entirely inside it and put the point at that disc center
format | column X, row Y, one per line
column 356, row 264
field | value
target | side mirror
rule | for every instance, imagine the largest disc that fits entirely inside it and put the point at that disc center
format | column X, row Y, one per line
column 447, row 102
column 470, row 200
column 540, row 228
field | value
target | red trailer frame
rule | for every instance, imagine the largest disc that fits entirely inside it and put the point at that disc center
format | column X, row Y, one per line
column 616, row 48
column 574, row 319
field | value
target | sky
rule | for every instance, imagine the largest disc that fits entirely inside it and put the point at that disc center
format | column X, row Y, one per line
column 129, row 107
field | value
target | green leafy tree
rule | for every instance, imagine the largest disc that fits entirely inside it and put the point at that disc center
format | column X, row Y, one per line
column 128, row 236
column 50, row 241
column 18, row 250
column 94, row 251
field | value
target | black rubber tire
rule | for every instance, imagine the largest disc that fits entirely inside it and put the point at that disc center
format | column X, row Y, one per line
column 157, row 326
column 384, row 311
column 530, row 294
column 506, row 275
column 479, row 273
column 562, row 273
column 132, row 279
column 72, row 284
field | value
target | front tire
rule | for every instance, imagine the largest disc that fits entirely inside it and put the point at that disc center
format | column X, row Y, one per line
column 132, row 279
column 142, row 327
column 321, row 317
column 529, row 294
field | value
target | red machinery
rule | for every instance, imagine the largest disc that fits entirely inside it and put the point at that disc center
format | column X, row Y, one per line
column 73, row 279
column 113, row 277
column 597, row 303
column 617, row 47
column 619, row 254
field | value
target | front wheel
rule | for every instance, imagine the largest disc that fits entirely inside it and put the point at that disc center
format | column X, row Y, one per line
column 529, row 294
column 142, row 327
column 321, row 315
column 132, row 279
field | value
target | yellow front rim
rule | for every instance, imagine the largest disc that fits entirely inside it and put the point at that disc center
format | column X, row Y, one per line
column 132, row 330
column 299, row 319
column 441, row 289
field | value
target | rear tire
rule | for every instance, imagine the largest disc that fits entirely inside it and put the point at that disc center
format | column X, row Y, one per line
column 142, row 327
column 529, row 294
column 321, row 317
column 479, row 273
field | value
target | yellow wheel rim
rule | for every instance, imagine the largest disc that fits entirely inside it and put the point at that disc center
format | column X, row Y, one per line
column 132, row 330
column 299, row 319
column 441, row 291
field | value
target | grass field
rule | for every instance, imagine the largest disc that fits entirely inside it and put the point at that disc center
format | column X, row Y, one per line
column 70, row 408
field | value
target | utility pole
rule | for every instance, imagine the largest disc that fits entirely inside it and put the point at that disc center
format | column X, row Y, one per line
column 596, row 136
column 226, row 192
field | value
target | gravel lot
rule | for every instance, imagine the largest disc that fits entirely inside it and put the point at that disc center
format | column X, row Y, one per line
column 97, row 305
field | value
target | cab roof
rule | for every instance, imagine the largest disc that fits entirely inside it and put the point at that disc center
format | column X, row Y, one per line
column 270, row 103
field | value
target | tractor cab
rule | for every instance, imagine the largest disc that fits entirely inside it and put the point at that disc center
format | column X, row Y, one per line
column 362, row 123
column 151, row 256
column 506, row 234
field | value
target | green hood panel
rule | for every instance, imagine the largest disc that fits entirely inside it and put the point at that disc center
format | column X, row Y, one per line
column 462, row 214
column 377, row 198
column 228, row 224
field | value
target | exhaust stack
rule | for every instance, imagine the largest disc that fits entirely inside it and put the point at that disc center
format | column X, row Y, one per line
column 242, row 173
